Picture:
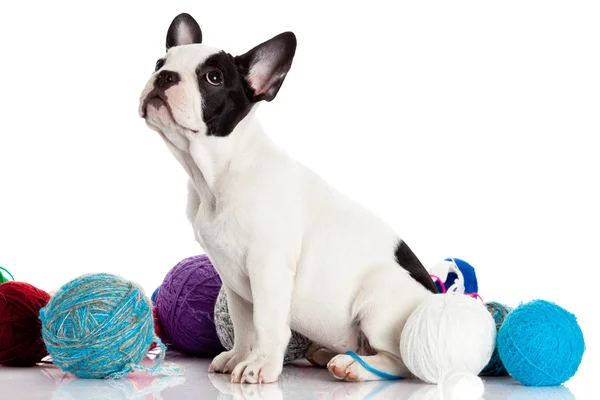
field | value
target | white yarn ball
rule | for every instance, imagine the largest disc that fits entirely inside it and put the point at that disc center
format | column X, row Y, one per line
column 446, row 334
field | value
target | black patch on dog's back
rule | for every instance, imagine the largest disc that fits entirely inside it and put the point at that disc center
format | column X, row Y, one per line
column 224, row 106
column 409, row 261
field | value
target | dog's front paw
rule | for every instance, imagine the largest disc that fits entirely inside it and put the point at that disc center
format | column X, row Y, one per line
column 227, row 361
column 258, row 368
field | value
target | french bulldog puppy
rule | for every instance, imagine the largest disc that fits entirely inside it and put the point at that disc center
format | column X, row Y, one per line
column 292, row 252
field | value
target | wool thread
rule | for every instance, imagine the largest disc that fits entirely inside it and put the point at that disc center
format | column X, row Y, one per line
column 447, row 333
column 20, row 329
column 541, row 344
column 499, row 312
column 185, row 305
column 297, row 346
column 381, row 374
column 3, row 278
column 101, row 326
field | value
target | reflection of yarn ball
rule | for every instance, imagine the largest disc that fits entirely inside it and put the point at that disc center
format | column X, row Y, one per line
column 448, row 335
column 98, row 326
column 112, row 389
column 115, row 389
column 297, row 346
column 499, row 313
column 541, row 344
column 185, row 303
column 521, row 392
column 20, row 329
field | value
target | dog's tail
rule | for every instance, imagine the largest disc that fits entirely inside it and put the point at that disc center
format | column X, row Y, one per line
column 409, row 261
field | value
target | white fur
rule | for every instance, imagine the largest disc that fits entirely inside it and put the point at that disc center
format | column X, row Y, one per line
column 291, row 250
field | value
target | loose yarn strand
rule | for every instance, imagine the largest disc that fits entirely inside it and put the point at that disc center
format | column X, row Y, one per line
column 2, row 277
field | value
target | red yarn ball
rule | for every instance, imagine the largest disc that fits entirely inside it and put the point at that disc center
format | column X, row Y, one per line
column 157, row 328
column 21, row 343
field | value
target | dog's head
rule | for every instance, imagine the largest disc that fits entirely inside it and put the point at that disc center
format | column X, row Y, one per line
column 197, row 90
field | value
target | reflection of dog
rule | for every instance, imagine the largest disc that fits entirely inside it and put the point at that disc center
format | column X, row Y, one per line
column 292, row 252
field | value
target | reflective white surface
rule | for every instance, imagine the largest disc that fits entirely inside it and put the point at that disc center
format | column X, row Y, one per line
column 297, row 382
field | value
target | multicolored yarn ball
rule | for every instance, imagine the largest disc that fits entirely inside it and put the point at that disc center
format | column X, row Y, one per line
column 20, row 329
column 499, row 312
column 448, row 339
column 185, row 304
column 297, row 347
column 4, row 278
column 541, row 344
column 100, row 326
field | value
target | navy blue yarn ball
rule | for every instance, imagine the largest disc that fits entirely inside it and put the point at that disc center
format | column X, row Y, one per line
column 468, row 273
column 153, row 297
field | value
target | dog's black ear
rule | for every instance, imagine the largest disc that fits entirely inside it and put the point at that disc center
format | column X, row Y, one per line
column 265, row 66
column 183, row 30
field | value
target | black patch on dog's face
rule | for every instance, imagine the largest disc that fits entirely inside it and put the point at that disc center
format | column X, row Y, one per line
column 226, row 104
column 409, row 261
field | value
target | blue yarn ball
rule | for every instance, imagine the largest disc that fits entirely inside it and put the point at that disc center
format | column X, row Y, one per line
column 153, row 297
column 541, row 344
column 468, row 274
column 99, row 326
column 499, row 312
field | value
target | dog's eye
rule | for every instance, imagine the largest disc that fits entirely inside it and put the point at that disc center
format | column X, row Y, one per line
column 159, row 64
column 214, row 77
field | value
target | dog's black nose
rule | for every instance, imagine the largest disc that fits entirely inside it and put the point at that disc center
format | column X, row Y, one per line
column 166, row 79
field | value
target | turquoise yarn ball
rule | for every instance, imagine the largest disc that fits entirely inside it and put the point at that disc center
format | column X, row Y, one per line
column 99, row 326
column 499, row 312
column 541, row 344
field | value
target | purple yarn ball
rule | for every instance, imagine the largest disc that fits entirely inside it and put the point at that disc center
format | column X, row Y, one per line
column 185, row 304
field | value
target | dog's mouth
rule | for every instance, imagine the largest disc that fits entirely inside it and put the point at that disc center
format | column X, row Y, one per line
column 157, row 99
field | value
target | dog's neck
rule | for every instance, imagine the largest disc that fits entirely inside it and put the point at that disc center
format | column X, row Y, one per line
column 211, row 159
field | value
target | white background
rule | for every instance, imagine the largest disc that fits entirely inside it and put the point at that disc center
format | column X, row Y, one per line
column 471, row 126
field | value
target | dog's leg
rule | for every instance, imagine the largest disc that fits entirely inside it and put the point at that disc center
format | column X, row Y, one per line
column 386, row 302
column 384, row 338
column 271, row 280
column 240, row 311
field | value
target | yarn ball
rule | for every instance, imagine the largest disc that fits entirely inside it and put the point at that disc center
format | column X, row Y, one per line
column 154, row 294
column 448, row 334
column 186, row 304
column 100, row 326
column 541, row 344
column 4, row 275
column 20, row 329
column 297, row 346
column 468, row 274
column 499, row 312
